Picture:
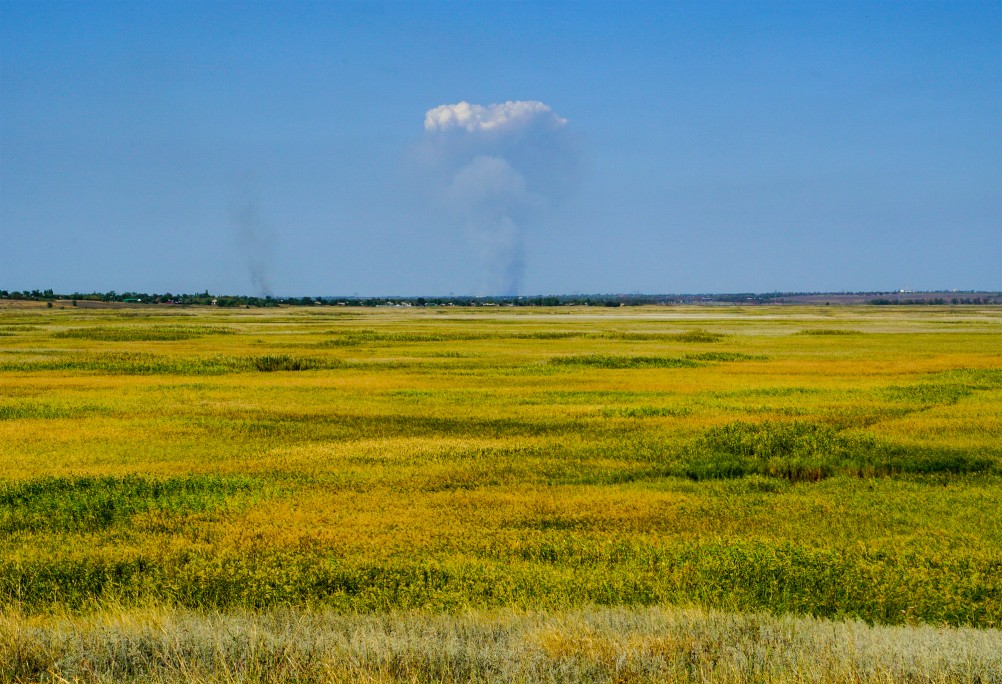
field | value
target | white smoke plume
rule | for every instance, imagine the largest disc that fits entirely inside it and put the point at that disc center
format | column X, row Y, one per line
column 495, row 169
column 490, row 117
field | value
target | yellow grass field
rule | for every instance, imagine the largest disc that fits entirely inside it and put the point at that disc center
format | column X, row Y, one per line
column 625, row 494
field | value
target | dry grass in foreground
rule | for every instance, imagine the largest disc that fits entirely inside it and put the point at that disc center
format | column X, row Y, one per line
column 589, row 645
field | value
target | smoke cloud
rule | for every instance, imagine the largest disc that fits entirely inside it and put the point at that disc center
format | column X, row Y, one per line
column 256, row 238
column 490, row 117
column 495, row 169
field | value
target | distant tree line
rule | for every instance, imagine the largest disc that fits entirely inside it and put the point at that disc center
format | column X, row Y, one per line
column 941, row 301
column 206, row 299
column 608, row 300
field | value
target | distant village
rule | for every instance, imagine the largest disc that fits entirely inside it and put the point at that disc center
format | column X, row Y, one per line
column 895, row 298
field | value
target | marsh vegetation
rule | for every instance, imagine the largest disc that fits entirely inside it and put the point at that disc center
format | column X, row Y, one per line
column 705, row 494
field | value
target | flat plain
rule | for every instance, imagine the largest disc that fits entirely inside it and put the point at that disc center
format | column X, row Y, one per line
column 771, row 493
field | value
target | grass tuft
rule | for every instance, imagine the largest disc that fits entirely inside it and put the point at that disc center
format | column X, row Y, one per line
column 822, row 332
column 284, row 362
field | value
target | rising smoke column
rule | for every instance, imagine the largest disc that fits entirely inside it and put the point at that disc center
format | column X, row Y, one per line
column 256, row 239
column 496, row 168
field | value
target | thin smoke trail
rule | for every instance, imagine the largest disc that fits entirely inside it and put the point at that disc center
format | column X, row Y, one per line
column 255, row 238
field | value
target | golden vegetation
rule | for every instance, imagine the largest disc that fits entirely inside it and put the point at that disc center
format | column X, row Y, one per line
column 840, row 463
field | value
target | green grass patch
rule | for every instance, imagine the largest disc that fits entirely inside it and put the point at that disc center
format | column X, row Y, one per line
column 725, row 357
column 794, row 450
column 811, row 451
column 284, row 362
column 155, row 333
column 698, row 335
column 823, row 332
column 555, row 571
column 623, row 361
column 972, row 378
column 928, row 394
column 88, row 504
column 125, row 363
column 41, row 411
column 358, row 337
column 646, row 412
column 618, row 362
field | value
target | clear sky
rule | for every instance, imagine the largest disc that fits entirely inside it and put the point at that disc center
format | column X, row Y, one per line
column 282, row 147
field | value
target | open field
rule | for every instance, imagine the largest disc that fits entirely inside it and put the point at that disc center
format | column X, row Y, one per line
column 569, row 484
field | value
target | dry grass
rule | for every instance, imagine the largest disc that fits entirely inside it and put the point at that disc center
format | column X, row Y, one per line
column 588, row 645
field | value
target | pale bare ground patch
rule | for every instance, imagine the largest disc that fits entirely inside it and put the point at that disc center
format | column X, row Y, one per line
column 587, row 645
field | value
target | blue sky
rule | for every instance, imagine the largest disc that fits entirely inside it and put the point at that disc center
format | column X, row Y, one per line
column 708, row 147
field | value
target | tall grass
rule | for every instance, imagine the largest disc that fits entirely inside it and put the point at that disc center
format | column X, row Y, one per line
column 589, row 645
